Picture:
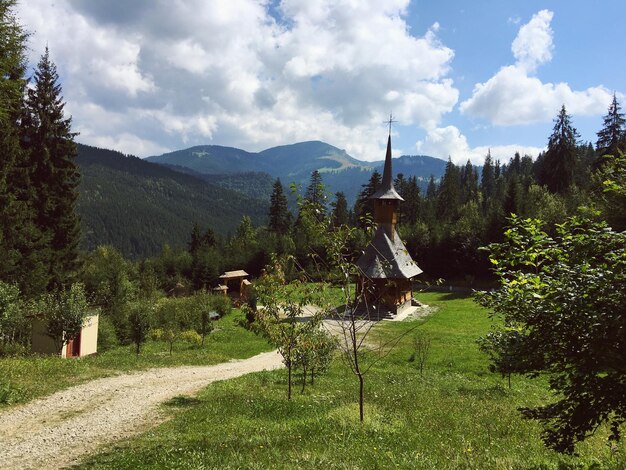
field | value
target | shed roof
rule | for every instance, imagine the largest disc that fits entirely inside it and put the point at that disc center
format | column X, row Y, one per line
column 234, row 274
column 385, row 258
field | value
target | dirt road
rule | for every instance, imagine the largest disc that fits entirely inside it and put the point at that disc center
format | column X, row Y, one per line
column 58, row 430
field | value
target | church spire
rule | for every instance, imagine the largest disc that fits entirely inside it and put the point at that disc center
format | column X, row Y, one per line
column 386, row 190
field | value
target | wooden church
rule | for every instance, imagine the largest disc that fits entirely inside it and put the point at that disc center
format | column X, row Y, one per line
column 386, row 268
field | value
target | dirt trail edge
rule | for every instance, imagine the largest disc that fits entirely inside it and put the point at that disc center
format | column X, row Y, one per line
column 58, row 430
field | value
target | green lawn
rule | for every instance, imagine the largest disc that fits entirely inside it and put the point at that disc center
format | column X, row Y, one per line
column 457, row 416
column 25, row 378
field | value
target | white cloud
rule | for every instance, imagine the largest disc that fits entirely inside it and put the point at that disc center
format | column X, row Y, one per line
column 533, row 43
column 511, row 97
column 444, row 142
column 514, row 96
column 226, row 71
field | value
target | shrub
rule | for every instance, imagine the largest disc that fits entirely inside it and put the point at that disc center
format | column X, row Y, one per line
column 191, row 337
column 156, row 334
column 107, row 337
column 221, row 304
column 13, row 322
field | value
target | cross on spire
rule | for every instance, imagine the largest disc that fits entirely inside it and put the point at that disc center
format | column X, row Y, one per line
column 390, row 121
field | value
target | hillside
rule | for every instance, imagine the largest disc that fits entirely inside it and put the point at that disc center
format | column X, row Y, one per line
column 295, row 162
column 138, row 206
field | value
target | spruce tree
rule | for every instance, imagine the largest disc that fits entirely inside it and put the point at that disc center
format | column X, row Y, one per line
column 557, row 168
column 315, row 194
column 21, row 243
column 431, row 189
column 340, row 215
column 196, row 240
column 469, row 183
column 363, row 206
column 449, row 195
column 487, row 180
column 279, row 215
column 411, row 207
column 49, row 141
column 612, row 136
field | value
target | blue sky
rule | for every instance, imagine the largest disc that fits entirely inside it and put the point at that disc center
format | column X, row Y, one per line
column 150, row 76
column 587, row 51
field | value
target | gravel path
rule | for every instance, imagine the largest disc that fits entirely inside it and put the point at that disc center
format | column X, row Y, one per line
column 58, row 430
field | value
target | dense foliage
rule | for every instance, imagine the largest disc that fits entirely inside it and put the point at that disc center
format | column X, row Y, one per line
column 139, row 207
column 562, row 301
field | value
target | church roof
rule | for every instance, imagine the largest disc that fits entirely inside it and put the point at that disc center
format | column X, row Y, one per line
column 386, row 190
column 387, row 259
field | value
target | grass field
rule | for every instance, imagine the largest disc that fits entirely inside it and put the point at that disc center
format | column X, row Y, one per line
column 457, row 416
column 25, row 378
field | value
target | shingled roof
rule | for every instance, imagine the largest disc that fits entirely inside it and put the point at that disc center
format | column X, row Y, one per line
column 386, row 190
column 385, row 258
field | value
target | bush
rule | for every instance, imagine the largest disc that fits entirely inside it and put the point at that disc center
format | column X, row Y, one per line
column 221, row 304
column 107, row 337
column 13, row 349
column 191, row 337
column 13, row 323
column 156, row 334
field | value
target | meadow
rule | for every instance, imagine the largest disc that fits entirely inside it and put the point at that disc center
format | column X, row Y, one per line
column 457, row 415
column 23, row 378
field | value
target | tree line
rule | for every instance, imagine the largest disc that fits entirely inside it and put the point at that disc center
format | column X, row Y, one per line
column 469, row 207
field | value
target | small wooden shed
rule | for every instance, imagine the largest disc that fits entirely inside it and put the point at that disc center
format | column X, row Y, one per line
column 85, row 344
column 236, row 281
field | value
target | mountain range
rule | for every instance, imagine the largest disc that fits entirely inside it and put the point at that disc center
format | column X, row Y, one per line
column 294, row 164
column 139, row 205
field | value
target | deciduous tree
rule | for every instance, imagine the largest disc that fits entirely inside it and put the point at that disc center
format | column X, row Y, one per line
column 561, row 307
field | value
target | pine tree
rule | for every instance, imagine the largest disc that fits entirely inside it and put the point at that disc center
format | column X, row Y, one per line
column 204, row 258
column 487, row 180
column 196, row 240
column 449, row 195
column 411, row 207
column 21, row 242
column 279, row 215
column 49, row 141
column 363, row 206
column 557, row 168
column 512, row 197
column 340, row 214
column 469, row 183
column 612, row 136
column 315, row 194
column 431, row 189
column 209, row 239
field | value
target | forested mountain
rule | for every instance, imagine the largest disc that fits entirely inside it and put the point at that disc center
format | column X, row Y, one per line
column 285, row 160
column 294, row 164
column 138, row 206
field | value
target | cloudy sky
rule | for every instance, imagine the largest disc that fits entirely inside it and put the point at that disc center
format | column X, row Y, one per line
column 149, row 76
